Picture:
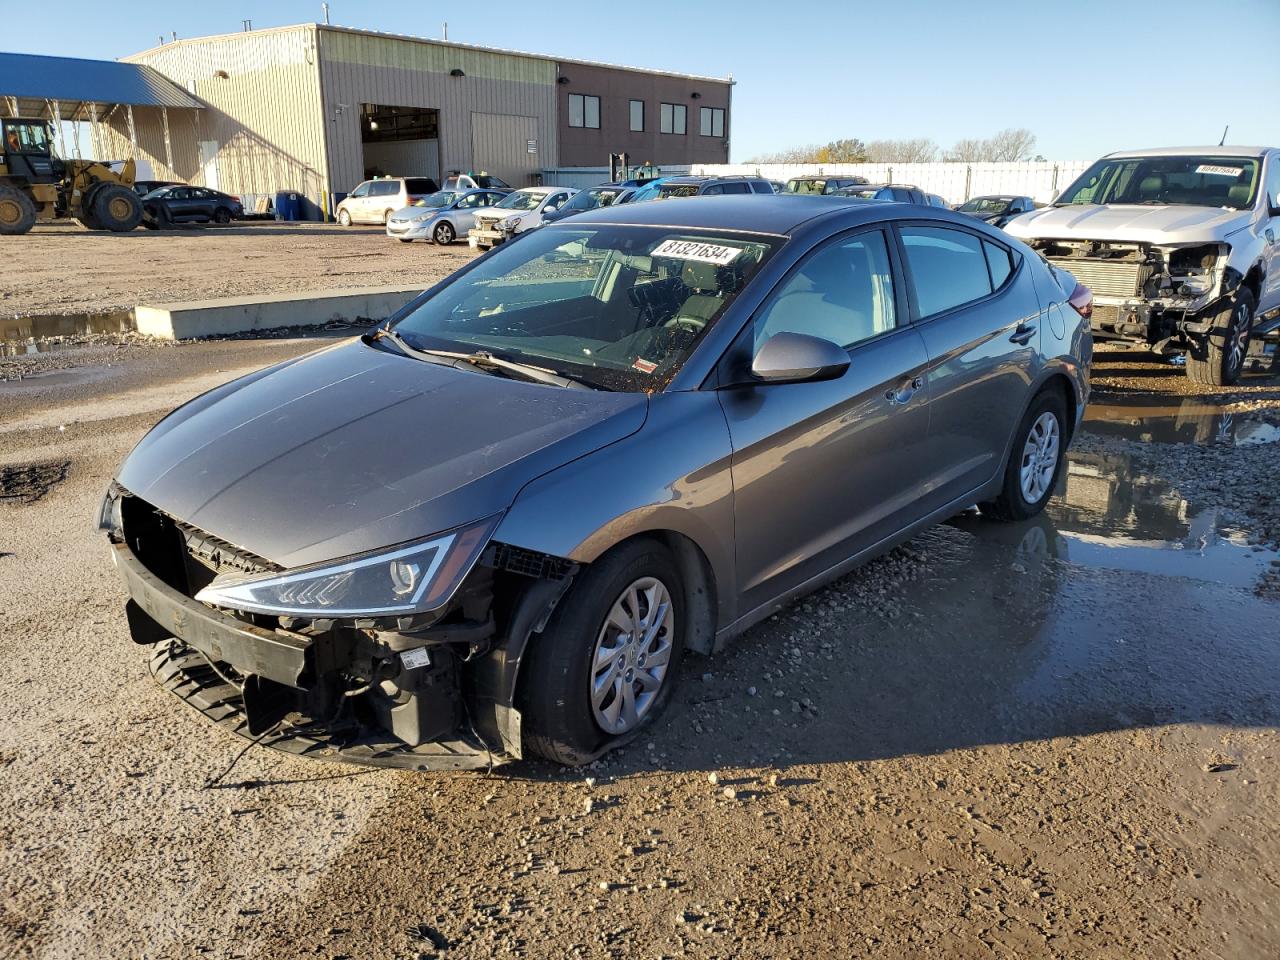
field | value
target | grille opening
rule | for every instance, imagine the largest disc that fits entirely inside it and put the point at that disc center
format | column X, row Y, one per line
column 156, row 541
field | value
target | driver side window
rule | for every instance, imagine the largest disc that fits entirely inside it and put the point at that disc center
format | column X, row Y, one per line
column 362, row 190
column 842, row 292
column 1273, row 181
column 469, row 201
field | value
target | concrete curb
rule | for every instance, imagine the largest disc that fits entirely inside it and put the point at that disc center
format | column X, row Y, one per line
column 210, row 318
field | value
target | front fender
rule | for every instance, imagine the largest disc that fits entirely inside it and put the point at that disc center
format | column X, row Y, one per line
column 672, row 475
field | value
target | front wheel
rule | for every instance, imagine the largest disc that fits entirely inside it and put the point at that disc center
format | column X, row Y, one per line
column 443, row 234
column 1039, row 450
column 604, row 667
column 344, row 218
column 1218, row 359
column 222, row 215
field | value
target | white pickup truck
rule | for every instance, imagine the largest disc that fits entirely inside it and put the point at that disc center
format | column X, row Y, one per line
column 1181, row 247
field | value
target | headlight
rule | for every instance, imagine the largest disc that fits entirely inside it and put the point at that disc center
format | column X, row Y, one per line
column 109, row 519
column 412, row 578
column 425, row 216
column 511, row 223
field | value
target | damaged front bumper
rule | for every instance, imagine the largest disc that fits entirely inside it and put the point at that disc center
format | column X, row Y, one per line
column 434, row 697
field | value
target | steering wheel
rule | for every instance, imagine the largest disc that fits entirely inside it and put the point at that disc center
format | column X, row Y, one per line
column 691, row 324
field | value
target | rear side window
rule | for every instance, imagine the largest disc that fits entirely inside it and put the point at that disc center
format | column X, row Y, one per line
column 842, row 293
column 762, row 186
column 735, row 188
column 999, row 263
column 948, row 268
column 384, row 188
column 420, row 185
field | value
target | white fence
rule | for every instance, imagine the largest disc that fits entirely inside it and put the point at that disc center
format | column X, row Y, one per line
column 955, row 182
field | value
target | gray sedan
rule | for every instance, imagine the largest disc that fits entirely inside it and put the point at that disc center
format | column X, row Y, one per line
column 492, row 526
column 441, row 217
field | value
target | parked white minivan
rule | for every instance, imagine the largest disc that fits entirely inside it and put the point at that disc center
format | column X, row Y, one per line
column 375, row 200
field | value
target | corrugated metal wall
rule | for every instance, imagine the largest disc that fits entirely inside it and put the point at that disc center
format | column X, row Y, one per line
column 265, row 114
column 506, row 146
column 955, row 182
column 362, row 68
column 404, row 158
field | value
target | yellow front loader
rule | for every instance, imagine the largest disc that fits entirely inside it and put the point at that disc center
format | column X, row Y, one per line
column 37, row 184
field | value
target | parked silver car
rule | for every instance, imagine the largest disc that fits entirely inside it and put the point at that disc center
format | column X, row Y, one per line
column 1181, row 245
column 441, row 217
column 492, row 526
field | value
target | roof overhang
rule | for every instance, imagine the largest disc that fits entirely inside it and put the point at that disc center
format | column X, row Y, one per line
column 33, row 83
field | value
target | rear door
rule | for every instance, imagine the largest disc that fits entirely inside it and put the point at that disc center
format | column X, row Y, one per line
column 1269, row 296
column 382, row 200
column 977, row 310
column 824, row 470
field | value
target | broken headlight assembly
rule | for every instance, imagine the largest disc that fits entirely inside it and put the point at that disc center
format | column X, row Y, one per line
column 1194, row 271
column 410, row 578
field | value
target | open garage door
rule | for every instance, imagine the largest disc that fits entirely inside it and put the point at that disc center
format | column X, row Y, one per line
column 400, row 141
column 506, row 146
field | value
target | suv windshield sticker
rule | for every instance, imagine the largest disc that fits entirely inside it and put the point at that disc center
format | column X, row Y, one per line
column 1219, row 171
column 695, row 250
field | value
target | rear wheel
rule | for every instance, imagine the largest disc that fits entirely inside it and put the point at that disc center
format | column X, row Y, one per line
column 117, row 208
column 1218, row 359
column 386, row 215
column 443, row 233
column 17, row 211
column 604, row 667
column 1039, row 450
column 86, row 218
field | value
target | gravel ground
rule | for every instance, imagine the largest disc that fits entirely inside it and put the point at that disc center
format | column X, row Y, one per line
column 66, row 269
column 988, row 743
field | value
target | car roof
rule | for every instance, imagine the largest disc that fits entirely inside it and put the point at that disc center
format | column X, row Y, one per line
column 771, row 213
column 705, row 177
column 1213, row 151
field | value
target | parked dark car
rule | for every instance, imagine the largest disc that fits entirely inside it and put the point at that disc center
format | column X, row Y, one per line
column 821, row 185
column 592, row 198
column 699, row 186
column 899, row 192
column 997, row 210
column 491, row 526
column 143, row 187
column 183, row 204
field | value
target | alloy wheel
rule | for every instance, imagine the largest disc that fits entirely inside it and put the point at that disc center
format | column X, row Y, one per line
column 632, row 655
column 1040, row 457
column 1239, row 344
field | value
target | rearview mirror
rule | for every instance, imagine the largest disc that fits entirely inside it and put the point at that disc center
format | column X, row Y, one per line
column 798, row 358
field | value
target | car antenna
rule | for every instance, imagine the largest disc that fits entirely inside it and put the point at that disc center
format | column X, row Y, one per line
column 1224, row 134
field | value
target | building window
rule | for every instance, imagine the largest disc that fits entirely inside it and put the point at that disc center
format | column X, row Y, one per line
column 584, row 111
column 711, row 122
column 673, row 118
column 637, row 116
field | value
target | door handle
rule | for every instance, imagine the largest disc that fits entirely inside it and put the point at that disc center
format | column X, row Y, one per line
column 1023, row 333
column 905, row 391
column 1271, row 235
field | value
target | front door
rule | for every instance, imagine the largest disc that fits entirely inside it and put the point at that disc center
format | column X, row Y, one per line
column 977, row 310
column 1269, row 294
column 823, row 470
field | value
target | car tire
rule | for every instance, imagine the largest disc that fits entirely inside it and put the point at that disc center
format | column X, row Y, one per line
column 1035, row 460
column 117, row 208
column 386, row 215
column 344, row 218
column 564, row 720
column 222, row 215
column 443, row 234
column 1218, row 359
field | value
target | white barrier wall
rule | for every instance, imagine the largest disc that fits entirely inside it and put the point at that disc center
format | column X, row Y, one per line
column 955, row 182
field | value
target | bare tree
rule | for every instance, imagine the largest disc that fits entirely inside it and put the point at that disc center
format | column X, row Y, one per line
column 970, row 150
column 1012, row 144
column 807, row 154
column 915, row 150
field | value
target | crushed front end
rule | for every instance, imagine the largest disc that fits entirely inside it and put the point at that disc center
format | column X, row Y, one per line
column 417, row 690
column 1143, row 292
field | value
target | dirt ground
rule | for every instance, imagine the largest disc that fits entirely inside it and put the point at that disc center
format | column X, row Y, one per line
column 1055, row 739
column 64, row 268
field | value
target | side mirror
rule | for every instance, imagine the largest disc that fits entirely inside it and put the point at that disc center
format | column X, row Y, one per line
column 798, row 358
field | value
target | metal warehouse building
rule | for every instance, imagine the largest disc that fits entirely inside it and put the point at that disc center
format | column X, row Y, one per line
column 316, row 109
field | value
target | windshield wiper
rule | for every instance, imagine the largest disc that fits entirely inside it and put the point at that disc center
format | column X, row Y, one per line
column 480, row 359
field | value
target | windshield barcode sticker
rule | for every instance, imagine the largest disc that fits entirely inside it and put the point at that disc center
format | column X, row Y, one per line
column 716, row 253
column 1219, row 171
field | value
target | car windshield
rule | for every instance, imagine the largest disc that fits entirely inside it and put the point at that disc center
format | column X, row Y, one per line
column 986, row 205
column 669, row 190
column 1198, row 181
column 521, row 201
column 806, row 186
column 616, row 307
column 865, row 193
column 441, row 199
column 592, row 198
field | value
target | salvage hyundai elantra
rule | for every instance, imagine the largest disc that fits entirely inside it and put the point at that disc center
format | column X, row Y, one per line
column 492, row 526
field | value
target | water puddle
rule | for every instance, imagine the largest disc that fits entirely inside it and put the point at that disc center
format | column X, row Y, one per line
column 23, row 335
column 1163, row 419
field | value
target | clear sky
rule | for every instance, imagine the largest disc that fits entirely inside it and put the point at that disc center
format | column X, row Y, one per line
column 1085, row 76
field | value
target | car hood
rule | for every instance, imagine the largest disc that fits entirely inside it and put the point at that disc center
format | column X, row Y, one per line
column 1128, row 223
column 351, row 449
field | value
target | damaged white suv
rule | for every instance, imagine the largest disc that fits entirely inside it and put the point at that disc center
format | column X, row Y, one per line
column 1181, row 247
